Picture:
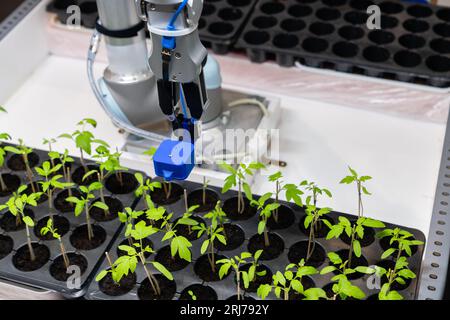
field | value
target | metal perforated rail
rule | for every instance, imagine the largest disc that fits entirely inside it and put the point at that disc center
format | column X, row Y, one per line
column 16, row 16
column 436, row 259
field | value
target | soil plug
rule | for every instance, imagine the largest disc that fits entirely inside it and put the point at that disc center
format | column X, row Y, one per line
column 51, row 183
column 145, row 187
column 265, row 212
column 178, row 244
column 243, row 278
column 354, row 231
column 289, row 282
column 54, row 232
column 343, row 287
column 134, row 254
column 213, row 232
column 16, row 205
column 82, row 203
column 401, row 243
column 237, row 178
column 24, row 151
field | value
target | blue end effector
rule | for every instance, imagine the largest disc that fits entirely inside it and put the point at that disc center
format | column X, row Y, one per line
column 174, row 160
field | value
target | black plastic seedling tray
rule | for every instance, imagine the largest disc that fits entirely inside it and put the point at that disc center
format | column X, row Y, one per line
column 413, row 44
column 88, row 10
column 13, row 240
column 222, row 22
column 186, row 278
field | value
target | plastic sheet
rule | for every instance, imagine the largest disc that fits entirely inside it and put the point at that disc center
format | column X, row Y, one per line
column 394, row 98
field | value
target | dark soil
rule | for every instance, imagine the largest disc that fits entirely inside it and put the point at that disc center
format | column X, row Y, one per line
column 321, row 228
column 110, row 288
column 61, row 224
column 389, row 264
column 6, row 246
column 60, row 202
column 259, row 280
column 242, row 298
column 183, row 230
column 37, row 188
column 79, row 173
column 58, row 268
column 235, row 237
column 168, row 289
column 385, row 244
column 203, row 270
column 164, row 257
column 128, row 184
column 196, row 198
column 307, row 283
column 373, row 297
column 201, row 292
column 80, row 240
column 356, row 262
column 159, row 196
column 115, row 206
column 8, row 221
column 16, row 162
column 286, row 218
column 369, row 237
column 21, row 259
column 145, row 242
column 299, row 251
column 230, row 207
column 271, row 252
column 12, row 183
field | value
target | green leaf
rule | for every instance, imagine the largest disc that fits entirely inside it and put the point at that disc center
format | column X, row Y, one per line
column 347, row 180
column 205, row 246
column 247, row 191
column 368, row 222
column 327, row 270
column 407, row 274
column 261, row 226
column 334, row 258
column 365, row 270
column 28, row 221
column 357, row 248
column 245, row 279
column 101, row 275
column 264, row 290
column 387, row 253
column 315, row 294
column 101, row 205
column 158, row 266
column 129, row 250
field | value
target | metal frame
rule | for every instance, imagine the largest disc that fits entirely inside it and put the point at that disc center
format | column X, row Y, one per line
column 433, row 276
column 16, row 16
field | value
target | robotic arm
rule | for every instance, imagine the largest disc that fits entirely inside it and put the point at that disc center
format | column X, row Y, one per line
column 177, row 59
column 171, row 75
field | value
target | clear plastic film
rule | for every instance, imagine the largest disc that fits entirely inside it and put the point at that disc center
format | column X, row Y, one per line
column 390, row 97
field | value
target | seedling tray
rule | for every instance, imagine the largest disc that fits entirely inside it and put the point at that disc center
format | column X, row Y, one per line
column 222, row 22
column 412, row 45
column 42, row 277
column 291, row 235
